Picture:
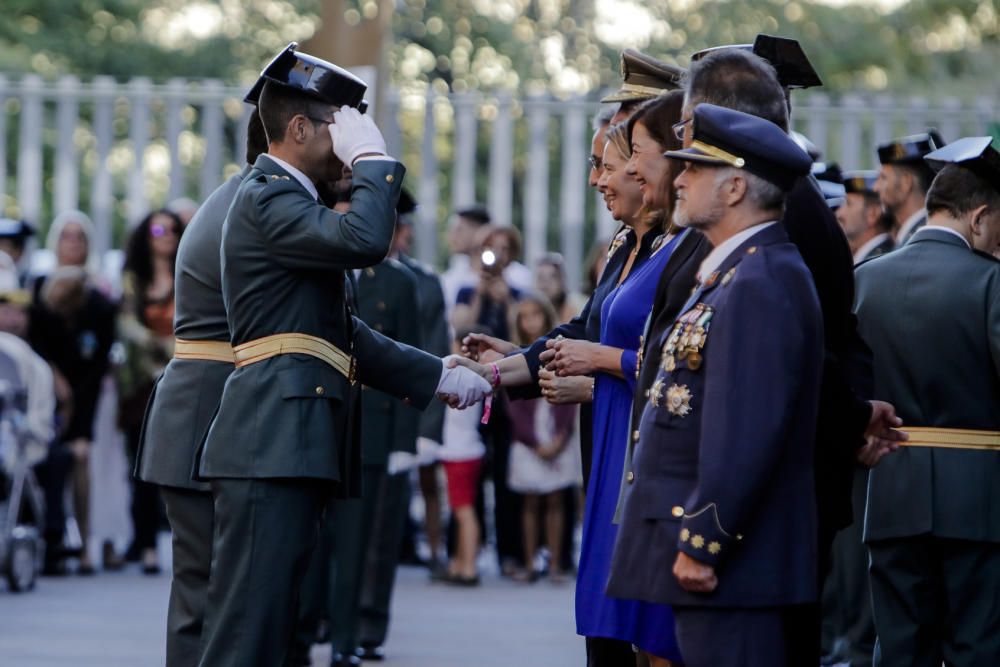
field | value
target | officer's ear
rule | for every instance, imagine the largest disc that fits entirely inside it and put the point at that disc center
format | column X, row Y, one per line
column 977, row 219
column 296, row 130
column 734, row 188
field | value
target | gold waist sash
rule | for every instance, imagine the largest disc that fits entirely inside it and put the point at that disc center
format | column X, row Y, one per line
column 295, row 343
column 205, row 350
column 952, row 438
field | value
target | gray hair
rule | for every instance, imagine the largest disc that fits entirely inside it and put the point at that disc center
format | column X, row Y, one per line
column 763, row 194
column 604, row 115
column 739, row 80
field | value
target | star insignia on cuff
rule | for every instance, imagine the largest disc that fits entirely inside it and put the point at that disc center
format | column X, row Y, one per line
column 685, row 534
column 697, row 541
column 714, row 548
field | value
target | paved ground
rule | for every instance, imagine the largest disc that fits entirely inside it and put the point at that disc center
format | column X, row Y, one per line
column 117, row 620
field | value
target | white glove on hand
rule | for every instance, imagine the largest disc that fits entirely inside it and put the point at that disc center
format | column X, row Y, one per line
column 461, row 387
column 354, row 134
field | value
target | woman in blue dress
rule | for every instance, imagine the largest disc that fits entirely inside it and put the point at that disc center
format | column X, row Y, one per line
column 613, row 362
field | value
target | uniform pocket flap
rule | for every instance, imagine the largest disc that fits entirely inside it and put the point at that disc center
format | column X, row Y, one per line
column 662, row 498
column 310, row 382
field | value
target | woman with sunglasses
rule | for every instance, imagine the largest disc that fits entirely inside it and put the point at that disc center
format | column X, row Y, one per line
column 146, row 327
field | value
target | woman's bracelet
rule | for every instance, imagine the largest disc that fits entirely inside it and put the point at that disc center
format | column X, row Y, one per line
column 496, row 374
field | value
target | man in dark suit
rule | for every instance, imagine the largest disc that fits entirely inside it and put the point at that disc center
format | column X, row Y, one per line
column 285, row 438
column 865, row 224
column 182, row 406
column 903, row 179
column 931, row 313
column 719, row 513
column 739, row 78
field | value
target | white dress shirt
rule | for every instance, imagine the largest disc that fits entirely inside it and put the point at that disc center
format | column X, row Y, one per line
column 869, row 245
column 304, row 180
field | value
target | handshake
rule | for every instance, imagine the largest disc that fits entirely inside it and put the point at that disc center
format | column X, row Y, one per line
column 460, row 386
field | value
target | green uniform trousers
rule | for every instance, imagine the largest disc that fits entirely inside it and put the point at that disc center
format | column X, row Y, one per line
column 191, row 515
column 935, row 600
column 391, row 510
column 264, row 533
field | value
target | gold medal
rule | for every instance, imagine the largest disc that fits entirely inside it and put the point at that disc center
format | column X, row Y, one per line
column 669, row 363
column 694, row 361
column 655, row 393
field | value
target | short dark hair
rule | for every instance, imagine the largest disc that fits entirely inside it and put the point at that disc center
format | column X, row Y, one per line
column 256, row 138
column 738, row 80
column 279, row 104
column 920, row 171
column 957, row 190
column 477, row 214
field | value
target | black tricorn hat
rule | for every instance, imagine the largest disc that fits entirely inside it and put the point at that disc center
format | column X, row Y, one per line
column 860, row 182
column 910, row 149
column 312, row 76
column 645, row 77
column 973, row 153
column 786, row 56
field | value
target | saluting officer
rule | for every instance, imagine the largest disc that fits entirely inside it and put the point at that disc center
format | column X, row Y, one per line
column 719, row 514
column 183, row 403
column 903, row 179
column 931, row 313
column 285, row 437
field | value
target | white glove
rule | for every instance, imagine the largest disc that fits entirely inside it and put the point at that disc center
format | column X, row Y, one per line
column 463, row 384
column 354, row 134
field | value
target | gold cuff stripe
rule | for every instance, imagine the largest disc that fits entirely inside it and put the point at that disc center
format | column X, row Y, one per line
column 952, row 438
column 725, row 156
column 260, row 349
column 204, row 350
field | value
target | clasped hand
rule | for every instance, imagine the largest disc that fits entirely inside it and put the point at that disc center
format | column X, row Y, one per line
column 570, row 357
column 694, row 576
column 463, row 382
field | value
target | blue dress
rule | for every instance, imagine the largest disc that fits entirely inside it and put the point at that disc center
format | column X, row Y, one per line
column 648, row 626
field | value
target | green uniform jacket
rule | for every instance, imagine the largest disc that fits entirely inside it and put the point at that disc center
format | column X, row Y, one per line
column 187, row 394
column 435, row 336
column 387, row 303
column 930, row 312
column 283, row 261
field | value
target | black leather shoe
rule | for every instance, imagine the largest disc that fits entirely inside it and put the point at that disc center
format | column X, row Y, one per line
column 371, row 653
column 342, row 660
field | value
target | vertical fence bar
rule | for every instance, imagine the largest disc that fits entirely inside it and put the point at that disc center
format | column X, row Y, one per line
column 101, row 200
column 240, row 136
column 67, row 172
column 393, row 136
column 140, row 90
column 850, row 133
column 428, row 195
column 3, row 142
column 29, row 153
column 951, row 118
column 502, row 162
column 463, row 178
column 818, row 120
column 883, row 127
column 211, row 130
column 173, row 125
column 916, row 116
column 985, row 115
column 573, row 197
column 536, row 187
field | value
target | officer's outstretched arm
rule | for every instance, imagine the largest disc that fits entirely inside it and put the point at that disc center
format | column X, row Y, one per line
column 302, row 233
column 394, row 368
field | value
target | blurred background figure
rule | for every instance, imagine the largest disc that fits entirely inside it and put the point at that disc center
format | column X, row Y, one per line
column 545, row 455
column 147, row 328
column 14, row 237
column 865, row 224
column 464, row 233
column 550, row 282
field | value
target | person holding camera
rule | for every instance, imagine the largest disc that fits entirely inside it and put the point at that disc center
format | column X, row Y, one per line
column 493, row 300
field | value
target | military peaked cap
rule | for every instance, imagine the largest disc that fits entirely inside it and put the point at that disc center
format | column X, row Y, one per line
column 973, row 153
column 909, row 149
column 645, row 77
column 726, row 137
column 860, row 182
column 786, row 56
column 312, row 76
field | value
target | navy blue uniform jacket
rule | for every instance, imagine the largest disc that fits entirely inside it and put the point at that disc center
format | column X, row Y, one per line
column 723, row 466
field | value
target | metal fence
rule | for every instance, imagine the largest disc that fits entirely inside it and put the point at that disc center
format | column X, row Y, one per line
column 114, row 149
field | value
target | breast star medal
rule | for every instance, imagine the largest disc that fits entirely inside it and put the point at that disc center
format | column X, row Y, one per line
column 678, row 400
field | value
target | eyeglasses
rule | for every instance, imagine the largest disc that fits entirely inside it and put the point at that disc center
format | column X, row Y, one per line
column 678, row 129
column 156, row 230
column 595, row 162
